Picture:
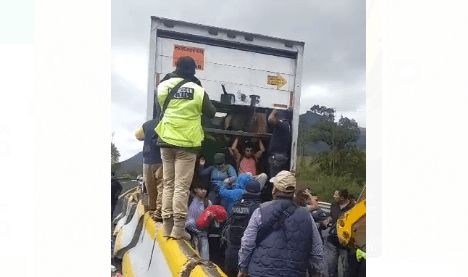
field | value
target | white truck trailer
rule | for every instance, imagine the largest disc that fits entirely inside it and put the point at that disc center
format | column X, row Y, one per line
column 243, row 73
column 246, row 76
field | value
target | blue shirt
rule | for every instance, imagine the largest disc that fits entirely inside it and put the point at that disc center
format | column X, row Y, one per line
column 218, row 176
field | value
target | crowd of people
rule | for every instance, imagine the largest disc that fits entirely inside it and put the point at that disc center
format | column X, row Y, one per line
column 247, row 222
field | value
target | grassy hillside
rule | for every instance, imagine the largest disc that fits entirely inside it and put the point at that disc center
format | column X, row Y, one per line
column 132, row 166
column 310, row 176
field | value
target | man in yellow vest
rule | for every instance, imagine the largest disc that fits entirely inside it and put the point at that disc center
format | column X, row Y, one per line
column 180, row 137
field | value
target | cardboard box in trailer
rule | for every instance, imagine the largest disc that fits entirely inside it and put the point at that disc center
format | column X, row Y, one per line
column 245, row 75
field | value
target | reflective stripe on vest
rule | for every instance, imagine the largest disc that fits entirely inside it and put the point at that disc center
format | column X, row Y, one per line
column 181, row 125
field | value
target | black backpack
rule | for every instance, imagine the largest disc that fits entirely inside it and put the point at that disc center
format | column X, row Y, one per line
column 241, row 211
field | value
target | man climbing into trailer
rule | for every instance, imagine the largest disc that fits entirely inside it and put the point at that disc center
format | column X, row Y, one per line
column 248, row 162
column 183, row 101
column 277, row 147
column 152, row 170
column 281, row 238
column 279, row 142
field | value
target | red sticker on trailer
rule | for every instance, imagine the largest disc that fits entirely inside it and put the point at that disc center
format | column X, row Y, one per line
column 198, row 54
column 280, row 106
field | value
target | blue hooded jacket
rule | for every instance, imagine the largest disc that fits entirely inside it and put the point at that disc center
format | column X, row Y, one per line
column 234, row 194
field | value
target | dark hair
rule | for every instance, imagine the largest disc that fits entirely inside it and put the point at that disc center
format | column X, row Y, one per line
column 302, row 198
column 197, row 180
column 283, row 114
column 344, row 193
column 186, row 66
column 248, row 144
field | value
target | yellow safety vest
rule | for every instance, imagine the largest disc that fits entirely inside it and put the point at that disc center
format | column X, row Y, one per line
column 181, row 124
column 360, row 255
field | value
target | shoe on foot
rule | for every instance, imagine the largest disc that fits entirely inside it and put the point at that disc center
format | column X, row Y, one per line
column 178, row 231
column 168, row 224
column 155, row 216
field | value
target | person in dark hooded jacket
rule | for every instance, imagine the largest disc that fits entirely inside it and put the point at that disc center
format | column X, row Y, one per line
column 116, row 189
column 239, row 219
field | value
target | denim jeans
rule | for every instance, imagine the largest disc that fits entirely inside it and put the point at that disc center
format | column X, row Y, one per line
column 277, row 163
column 203, row 248
column 336, row 258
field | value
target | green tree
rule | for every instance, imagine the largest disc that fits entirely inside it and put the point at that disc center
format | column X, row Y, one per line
column 337, row 135
column 115, row 155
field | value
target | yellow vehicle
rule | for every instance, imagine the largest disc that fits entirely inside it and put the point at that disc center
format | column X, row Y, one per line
column 351, row 227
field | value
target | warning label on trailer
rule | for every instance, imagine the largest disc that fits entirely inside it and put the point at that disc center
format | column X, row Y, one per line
column 198, row 54
column 277, row 80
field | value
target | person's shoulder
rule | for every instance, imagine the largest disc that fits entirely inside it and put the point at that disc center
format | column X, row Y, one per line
column 194, row 85
column 304, row 212
column 266, row 204
column 149, row 123
column 171, row 82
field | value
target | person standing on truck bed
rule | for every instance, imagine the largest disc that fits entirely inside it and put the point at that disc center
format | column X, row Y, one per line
column 152, row 170
column 278, row 147
column 180, row 136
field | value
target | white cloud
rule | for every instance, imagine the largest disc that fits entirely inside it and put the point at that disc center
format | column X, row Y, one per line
column 126, row 143
column 132, row 65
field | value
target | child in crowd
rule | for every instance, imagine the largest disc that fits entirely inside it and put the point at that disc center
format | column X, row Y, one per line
column 198, row 202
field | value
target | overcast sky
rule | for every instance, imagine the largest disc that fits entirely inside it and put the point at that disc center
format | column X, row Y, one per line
column 334, row 68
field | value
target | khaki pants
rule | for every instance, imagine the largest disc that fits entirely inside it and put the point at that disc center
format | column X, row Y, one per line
column 153, row 178
column 178, row 170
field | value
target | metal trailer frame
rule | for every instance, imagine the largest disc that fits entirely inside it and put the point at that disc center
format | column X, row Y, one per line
column 249, row 41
